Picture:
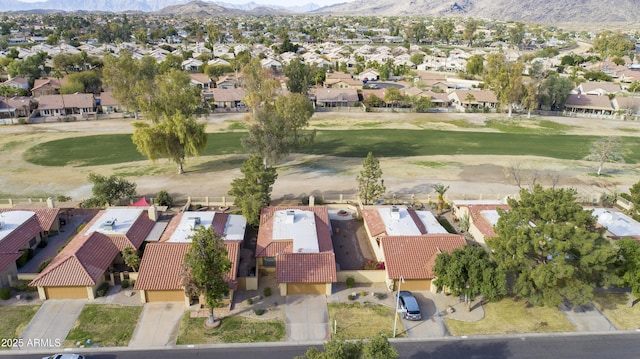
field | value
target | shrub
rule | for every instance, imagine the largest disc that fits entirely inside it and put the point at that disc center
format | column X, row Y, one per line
column 63, row 198
column 80, row 228
column 44, row 264
column 259, row 311
column 124, row 284
column 250, row 301
column 43, row 243
column 267, row 292
column 23, row 258
column 350, row 282
column 102, row 289
column 380, row 296
column 164, row 199
column 5, row 293
column 23, row 286
column 363, row 293
column 373, row 265
column 351, row 297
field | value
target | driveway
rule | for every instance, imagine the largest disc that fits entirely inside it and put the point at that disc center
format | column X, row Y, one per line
column 52, row 323
column 158, row 325
column 432, row 325
column 307, row 318
column 587, row 318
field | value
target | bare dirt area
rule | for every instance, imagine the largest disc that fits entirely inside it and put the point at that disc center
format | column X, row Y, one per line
column 468, row 176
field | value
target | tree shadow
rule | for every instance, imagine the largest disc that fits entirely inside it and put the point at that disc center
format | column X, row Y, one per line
column 465, row 350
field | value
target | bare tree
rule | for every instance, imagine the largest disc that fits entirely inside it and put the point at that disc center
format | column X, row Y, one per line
column 533, row 179
column 607, row 149
column 554, row 178
column 514, row 172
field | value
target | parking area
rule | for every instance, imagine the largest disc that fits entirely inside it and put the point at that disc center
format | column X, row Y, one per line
column 431, row 325
column 307, row 318
column 53, row 322
column 158, row 325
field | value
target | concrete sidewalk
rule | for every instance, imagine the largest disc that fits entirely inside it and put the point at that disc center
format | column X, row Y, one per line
column 307, row 318
column 158, row 325
column 587, row 318
column 53, row 322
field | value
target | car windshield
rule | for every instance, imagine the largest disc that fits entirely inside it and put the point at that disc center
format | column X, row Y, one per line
column 412, row 305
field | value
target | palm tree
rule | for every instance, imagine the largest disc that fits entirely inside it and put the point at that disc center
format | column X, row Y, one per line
column 441, row 190
column 470, row 98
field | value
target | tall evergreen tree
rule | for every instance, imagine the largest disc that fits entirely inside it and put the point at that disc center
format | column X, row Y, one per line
column 253, row 191
column 551, row 248
column 370, row 182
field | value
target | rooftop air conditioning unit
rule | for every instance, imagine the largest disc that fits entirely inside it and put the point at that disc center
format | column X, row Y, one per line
column 395, row 212
column 291, row 216
column 109, row 225
column 193, row 222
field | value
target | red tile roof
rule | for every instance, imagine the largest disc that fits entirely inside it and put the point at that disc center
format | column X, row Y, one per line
column 7, row 259
column 414, row 257
column 85, row 259
column 306, row 268
column 19, row 238
column 219, row 223
column 267, row 247
column 480, row 222
column 374, row 222
column 81, row 263
column 417, row 220
column 162, row 265
column 171, row 227
column 45, row 216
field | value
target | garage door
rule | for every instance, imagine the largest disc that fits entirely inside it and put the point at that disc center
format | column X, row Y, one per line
column 415, row 284
column 306, row 288
column 165, row 296
column 66, row 292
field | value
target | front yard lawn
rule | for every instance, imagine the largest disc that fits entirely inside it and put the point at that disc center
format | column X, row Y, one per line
column 509, row 317
column 13, row 320
column 231, row 330
column 614, row 306
column 361, row 320
column 105, row 325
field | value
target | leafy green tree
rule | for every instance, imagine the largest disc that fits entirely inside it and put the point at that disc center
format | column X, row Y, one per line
column 164, row 199
column 370, row 183
column 516, row 35
column 131, row 258
column 130, row 80
column 468, row 271
column 172, row 94
column 299, row 76
column 206, row 265
column 108, row 190
column 551, row 248
column 605, row 150
column 277, row 127
column 422, row 103
column 174, row 138
column 444, row 29
column 555, row 91
column 72, row 87
column 375, row 348
column 531, row 98
column 373, row 101
column 611, row 44
column 475, row 65
column 89, row 80
column 630, row 266
column 505, row 79
column 440, row 190
column 469, row 33
column 417, row 58
column 253, row 190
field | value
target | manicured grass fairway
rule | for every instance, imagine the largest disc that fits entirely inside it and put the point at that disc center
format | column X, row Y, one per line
column 118, row 148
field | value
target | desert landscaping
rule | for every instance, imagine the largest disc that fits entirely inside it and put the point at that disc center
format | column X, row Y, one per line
column 299, row 175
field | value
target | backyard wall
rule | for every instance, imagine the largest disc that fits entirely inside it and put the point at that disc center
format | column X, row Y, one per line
column 363, row 276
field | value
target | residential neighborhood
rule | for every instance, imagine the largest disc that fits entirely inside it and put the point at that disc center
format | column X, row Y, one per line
column 339, row 180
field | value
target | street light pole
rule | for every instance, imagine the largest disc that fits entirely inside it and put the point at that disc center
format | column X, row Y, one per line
column 395, row 321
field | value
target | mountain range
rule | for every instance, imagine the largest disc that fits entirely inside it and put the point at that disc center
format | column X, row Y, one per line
column 540, row 11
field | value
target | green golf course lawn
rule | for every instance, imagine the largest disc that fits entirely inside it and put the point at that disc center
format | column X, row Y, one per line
column 117, row 148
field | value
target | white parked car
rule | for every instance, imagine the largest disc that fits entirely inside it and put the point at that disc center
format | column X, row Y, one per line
column 65, row 356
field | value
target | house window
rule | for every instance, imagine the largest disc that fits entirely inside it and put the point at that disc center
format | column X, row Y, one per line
column 269, row 261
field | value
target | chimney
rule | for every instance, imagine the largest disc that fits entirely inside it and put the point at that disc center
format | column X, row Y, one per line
column 291, row 216
column 312, row 201
column 395, row 212
column 152, row 212
column 50, row 203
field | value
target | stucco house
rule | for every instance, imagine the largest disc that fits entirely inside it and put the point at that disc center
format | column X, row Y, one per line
column 295, row 243
column 482, row 216
column 83, row 265
column 617, row 224
column 21, row 230
column 327, row 97
column 594, row 104
column 407, row 241
column 62, row 105
column 477, row 99
column 160, row 274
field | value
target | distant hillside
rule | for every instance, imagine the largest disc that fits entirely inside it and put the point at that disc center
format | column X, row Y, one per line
column 549, row 11
column 198, row 8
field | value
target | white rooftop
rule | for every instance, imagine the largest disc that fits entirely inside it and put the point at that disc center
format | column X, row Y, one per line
column 619, row 224
column 235, row 227
column 430, row 222
column 298, row 225
column 491, row 215
column 398, row 222
column 11, row 220
column 115, row 221
column 188, row 223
